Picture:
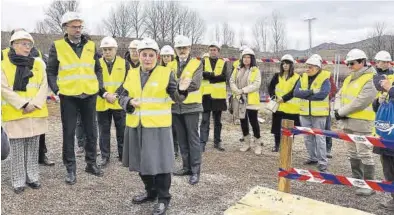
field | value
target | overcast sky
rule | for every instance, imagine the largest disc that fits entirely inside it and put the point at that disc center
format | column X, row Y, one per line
column 337, row 21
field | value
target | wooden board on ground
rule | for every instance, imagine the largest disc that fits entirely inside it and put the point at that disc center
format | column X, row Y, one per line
column 264, row 201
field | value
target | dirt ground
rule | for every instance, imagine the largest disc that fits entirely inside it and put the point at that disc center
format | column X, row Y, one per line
column 226, row 177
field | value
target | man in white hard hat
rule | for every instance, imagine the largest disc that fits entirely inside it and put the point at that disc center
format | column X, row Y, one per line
column 353, row 106
column 148, row 146
column 131, row 55
column 214, row 93
column 34, row 52
column 313, row 89
column 75, row 74
column 186, row 114
column 115, row 70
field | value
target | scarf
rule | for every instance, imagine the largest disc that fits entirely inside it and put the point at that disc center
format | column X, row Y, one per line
column 23, row 70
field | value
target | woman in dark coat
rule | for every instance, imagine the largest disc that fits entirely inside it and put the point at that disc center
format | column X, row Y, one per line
column 281, row 87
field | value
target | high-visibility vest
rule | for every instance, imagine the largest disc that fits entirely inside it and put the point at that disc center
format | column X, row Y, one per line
column 391, row 79
column 253, row 97
column 9, row 112
column 315, row 108
column 188, row 72
column 282, row 88
column 7, row 50
column 155, row 110
column 236, row 64
column 76, row 75
column 111, row 82
column 349, row 92
column 216, row 90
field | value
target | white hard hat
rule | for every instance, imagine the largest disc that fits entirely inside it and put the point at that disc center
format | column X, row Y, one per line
column 167, row 50
column 355, row 54
column 20, row 35
column 182, row 41
column 383, row 56
column 148, row 43
column 317, row 56
column 71, row 16
column 288, row 58
column 134, row 44
column 214, row 44
column 243, row 48
column 247, row 51
column 314, row 61
column 108, row 42
column 205, row 55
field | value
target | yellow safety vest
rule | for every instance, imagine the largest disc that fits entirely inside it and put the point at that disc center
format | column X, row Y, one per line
column 236, row 64
column 216, row 90
column 155, row 110
column 9, row 112
column 315, row 108
column 253, row 97
column 76, row 75
column 282, row 88
column 188, row 72
column 7, row 50
column 111, row 83
column 349, row 92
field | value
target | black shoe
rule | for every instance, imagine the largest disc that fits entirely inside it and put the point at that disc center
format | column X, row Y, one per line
column 309, row 162
column 94, row 170
column 275, row 149
column 104, row 162
column 120, row 157
column 46, row 162
column 159, row 209
column 202, row 147
column 241, row 139
column 18, row 190
column 182, row 172
column 194, row 179
column 322, row 168
column 71, row 178
column 142, row 198
column 34, row 185
column 329, row 155
column 219, row 147
column 176, row 154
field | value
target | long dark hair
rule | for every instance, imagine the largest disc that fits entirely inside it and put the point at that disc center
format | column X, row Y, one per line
column 162, row 62
column 291, row 70
column 252, row 62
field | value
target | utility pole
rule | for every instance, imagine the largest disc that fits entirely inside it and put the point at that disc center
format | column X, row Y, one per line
column 309, row 20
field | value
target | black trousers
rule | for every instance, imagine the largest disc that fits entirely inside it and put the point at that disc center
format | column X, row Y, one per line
column 388, row 168
column 175, row 138
column 69, row 107
column 204, row 126
column 104, row 120
column 252, row 116
column 158, row 186
column 42, row 148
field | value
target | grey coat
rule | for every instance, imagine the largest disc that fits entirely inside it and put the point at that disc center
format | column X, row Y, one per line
column 179, row 107
column 149, row 151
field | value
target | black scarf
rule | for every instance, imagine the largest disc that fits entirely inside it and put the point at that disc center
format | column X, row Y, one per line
column 23, row 73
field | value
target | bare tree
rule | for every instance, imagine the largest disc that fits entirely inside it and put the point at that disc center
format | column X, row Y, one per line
column 41, row 28
column 152, row 20
column 111, row 24
column 241, row 37
column 197, row 27
column 278, row 33
column 183, row 27
column 54, row 14
column 163, row 13
column 390, row 44
column 217, row 33
column 377, row 36
column 227, row 34
column 137, row 17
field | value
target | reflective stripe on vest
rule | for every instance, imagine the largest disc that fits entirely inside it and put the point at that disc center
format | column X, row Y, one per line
column 155, row 108
column 111, row 83
column 315, row 108
column 76, row 75
column 216, row 90
column 9, row 112
column 350, row 91
column 284, row 87
column 253, row 97
column 188, row 72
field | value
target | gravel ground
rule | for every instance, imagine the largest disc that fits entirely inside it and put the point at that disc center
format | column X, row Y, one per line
column 225, row 178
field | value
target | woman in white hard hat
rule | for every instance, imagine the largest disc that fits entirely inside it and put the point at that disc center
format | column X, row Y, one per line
column 353, row 106
column 148, row 145
column 115, row 70
column 167, row 55
column 245, row 84
column 313, row 89
column 131, row 55
column 282, row 86
column 24, row 112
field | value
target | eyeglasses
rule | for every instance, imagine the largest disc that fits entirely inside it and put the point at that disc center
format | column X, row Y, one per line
column 27, row 45
column 351, row 63
column 75, row 27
